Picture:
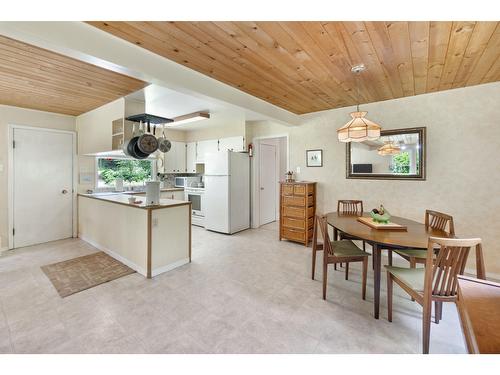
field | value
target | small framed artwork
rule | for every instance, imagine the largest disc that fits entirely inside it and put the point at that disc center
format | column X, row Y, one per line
column 314, row 158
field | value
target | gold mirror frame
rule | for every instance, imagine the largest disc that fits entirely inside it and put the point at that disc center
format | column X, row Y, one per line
column 422, row 158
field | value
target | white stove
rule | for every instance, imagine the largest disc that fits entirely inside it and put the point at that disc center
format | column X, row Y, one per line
column 195, row 196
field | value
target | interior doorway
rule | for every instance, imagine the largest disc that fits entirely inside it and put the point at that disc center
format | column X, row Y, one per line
column 41, row 179
column 271, row 165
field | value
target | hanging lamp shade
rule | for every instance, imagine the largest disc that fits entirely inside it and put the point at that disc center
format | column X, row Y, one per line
column 389, row 149
column 359, row 129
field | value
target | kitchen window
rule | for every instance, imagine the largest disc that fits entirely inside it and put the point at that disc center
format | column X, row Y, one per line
column 133, row 172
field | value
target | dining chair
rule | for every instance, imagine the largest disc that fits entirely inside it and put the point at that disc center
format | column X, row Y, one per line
column 316, row 246
column 434, row 220
column 437, row 281
column 349, row 207
column 340, row 251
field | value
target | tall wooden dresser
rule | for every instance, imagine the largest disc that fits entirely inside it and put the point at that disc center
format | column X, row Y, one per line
column 297, row 210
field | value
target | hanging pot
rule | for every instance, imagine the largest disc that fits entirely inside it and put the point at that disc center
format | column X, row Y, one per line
column 147, row 142
column 164, row 144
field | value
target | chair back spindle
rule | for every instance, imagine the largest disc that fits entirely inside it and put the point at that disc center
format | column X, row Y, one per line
column 350, row 207
column 441, row 272
column 439, row 221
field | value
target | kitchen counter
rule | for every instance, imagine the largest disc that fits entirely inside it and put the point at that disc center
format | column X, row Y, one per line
column 149, row 239
column 122, row 198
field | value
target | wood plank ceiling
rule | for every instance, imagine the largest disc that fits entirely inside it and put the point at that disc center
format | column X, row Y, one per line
column 306, row 66
column 32, row 77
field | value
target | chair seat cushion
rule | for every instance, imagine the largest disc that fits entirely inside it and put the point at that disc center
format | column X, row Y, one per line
column 346, row 248
column 413, row 277
column 420, row 254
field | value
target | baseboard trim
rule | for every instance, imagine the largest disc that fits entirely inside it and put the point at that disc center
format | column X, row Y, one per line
column 169, row 267
column 113, row 254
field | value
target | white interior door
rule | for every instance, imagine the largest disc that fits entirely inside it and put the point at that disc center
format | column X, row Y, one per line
column 267, row 178
column 42, row 186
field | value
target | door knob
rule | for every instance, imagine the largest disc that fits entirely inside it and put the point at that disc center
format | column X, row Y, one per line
column 261, row 188
column 64, row 191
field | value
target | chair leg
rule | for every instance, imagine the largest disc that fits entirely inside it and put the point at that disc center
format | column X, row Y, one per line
column 364, row 246
column 389, row 297
column 438, row 311
column 347, row 271
column 325, row 278
column 389, row 253
column 413, row 264
column 426, row 325
column 335, row 266
column 365, row 271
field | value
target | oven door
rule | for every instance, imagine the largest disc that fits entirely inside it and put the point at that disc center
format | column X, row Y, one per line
column 196, row 200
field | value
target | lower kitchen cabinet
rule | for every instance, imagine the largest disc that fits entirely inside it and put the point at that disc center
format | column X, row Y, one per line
column 177, row 195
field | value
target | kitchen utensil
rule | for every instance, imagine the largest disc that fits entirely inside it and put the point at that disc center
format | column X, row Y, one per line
column 126, row 142
column 164, row 144
column 131, row 145
column 147, row 142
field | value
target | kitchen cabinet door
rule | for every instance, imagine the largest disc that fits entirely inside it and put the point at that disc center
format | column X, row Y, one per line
column 179, row 195
column 191, row 157
column 232, row 143
column 175, row 159
column 204, row 147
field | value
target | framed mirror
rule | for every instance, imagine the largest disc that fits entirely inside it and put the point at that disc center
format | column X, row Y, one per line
column 399, row 154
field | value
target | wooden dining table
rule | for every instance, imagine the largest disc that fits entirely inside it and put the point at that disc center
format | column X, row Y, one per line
column 415, row 237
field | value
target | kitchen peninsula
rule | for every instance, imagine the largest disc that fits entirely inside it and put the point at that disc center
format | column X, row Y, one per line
column 149, row 239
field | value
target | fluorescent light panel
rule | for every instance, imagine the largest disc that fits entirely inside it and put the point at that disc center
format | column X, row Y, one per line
column 196, row 116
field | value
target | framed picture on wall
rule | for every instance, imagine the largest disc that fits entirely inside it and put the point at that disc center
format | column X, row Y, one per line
column 314, row 158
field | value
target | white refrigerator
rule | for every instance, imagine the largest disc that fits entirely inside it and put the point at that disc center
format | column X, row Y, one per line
column 227, row 191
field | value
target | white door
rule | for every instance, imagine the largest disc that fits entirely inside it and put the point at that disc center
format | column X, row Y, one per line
column 43, row 186
column 267, row 178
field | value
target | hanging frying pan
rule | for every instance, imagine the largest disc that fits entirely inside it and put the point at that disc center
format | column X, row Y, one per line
column 164, row 144
column 132, row 147
column 147, row 143
column 126, row 142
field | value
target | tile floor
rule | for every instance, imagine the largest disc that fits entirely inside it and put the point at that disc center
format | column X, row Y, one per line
column 246, row 293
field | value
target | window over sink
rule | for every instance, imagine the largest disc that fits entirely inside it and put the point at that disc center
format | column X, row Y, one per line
column 133, row 172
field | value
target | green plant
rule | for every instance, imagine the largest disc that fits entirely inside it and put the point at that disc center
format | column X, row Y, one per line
column 401, row 163
column 129, row 170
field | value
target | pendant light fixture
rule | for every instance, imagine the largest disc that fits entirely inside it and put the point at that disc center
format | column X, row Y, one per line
column 358, row 129
column 390, row 148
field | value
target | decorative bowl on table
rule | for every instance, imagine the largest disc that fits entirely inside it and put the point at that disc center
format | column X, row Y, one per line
column 380, row 215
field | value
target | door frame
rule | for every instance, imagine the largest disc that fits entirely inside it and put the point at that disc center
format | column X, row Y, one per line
column 10, row 176
column 255, row 175
column 275, row 178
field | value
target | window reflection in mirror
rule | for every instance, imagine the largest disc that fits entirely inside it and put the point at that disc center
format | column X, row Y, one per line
column 397, row 154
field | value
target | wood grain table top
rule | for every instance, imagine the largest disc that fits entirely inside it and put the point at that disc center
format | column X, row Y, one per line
column 416, row 235
column 479, row 310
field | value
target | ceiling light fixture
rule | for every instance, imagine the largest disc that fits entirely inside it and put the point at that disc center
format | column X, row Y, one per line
column 358, row 129
column 184, row 119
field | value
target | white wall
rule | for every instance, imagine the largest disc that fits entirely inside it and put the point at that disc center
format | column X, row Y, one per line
column 27, row 117
column 463, row 168
column 220, row 125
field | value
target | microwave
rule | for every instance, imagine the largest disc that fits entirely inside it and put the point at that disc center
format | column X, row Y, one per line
column 186, row 182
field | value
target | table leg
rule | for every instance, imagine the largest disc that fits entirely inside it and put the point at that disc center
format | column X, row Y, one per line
column 376, row 279
column 480, row 270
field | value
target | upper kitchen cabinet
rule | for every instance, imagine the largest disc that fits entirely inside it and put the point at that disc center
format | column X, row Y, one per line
column 191, row 157
column 204, row 147
column 236, row 144
column 175, row 159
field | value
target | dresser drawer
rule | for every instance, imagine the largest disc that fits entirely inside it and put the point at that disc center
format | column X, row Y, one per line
column 287, row 189
column 298, row 223
column 293, row 234
column 299, row 190
column 291, row 200
column 294, row 223
column 288, row 211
